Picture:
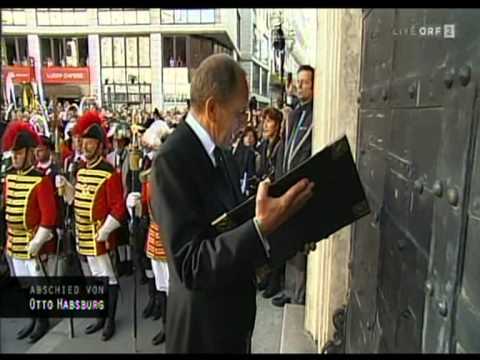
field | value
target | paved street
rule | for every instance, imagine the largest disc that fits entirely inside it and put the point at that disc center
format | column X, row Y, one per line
column 266, row 337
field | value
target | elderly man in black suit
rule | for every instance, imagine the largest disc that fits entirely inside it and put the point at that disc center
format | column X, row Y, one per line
column 212, row 306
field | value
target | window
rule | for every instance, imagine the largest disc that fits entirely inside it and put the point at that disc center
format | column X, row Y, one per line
column 132, row 51
column 180, row 51
column 13, row 16
column 64, row 51
column 180, row 16
column 255, row 42
column 190, row 16
column 194, row 17
column 175, row 51
column 264, row 83
column 119, row 51
column 239, row 28
column 201, row 48
column 106, row 51
column 168, row 52
column 16, row 50
column 126, row 73
column 62, row 17
column 120, row 16
column 264, row 52
column 167, row 17
column 256, row 79
column 144, row 51
column 207, row 16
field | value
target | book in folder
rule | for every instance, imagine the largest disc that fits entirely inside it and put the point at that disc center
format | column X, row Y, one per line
column 338, row 199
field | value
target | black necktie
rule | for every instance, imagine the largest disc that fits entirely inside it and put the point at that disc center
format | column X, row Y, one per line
column 222, row 169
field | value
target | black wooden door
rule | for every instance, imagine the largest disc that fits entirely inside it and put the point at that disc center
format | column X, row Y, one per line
column 416, row 122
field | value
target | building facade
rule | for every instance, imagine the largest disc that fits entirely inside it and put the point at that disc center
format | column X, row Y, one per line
column 256, row 51
column 299, row 45
column 137, row 57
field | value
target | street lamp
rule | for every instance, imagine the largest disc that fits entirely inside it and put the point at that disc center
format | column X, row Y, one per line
column 109, row 95
column 279, row 53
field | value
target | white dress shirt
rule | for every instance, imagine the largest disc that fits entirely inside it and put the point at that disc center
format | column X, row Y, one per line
column 203, row 135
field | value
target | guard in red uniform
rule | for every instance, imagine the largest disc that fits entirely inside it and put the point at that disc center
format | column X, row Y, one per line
column 99, row 211
column 47, row 166
column 31, row 213
column 154, row 246
column 155, row 250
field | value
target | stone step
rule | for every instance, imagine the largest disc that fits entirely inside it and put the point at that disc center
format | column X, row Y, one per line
column 294, row 338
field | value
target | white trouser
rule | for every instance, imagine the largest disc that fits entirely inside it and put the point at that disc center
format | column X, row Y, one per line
column 160, row 270
column 30, row 267
column 102, row 266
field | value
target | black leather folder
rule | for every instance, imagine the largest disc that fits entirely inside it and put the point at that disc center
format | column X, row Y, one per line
column 338, row 200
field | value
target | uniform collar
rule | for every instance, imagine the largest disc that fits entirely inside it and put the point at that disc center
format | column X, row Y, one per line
column 25, row 172
column 95, row 163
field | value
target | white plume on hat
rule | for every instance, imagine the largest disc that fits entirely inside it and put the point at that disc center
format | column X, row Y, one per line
column 154, row 135
column 70, row 125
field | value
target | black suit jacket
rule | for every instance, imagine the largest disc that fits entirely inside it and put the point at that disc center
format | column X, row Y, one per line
column 211, row 304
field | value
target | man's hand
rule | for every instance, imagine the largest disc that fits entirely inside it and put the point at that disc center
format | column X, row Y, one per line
column 273, row 212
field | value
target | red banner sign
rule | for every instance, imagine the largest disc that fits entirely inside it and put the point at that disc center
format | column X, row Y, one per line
column 21, row 74
column 66, row 75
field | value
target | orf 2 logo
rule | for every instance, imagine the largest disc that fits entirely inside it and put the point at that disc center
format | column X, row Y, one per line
column 449, row 31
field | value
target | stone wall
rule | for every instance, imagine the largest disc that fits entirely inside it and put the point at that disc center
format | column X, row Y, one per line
column 337, row 65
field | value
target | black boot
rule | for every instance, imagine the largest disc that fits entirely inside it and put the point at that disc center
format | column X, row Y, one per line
column 148, row 311
column 95, row 326
column 274, row 284
column 158, row 307
column 128, row 268
column 160, row 337
column 262, row 285
column 143, row 278
column 120, row 268
column 41, row 328
column 109, row 328
column 26, row 330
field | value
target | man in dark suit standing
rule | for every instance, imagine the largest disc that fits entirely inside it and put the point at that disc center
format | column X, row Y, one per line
column 295, row 149
column 212, row 290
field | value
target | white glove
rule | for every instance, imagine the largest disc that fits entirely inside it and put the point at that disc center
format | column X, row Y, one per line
column 106, row 229
column 41, row 237
column 60, row 181
column 133, row 203
column 68, row 189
